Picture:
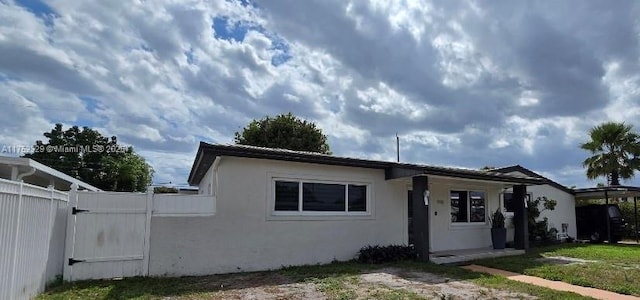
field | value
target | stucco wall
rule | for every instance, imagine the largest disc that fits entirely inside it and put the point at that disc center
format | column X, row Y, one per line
column 244, row 236
column 206, row 184
column 565, row 211
column 446, row 235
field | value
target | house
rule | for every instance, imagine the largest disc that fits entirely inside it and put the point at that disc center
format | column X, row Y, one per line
column 564, row 212
column 279, row 207
column 33, row 172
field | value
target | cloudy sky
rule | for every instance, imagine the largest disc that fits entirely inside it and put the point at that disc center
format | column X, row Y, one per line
column 464, row 83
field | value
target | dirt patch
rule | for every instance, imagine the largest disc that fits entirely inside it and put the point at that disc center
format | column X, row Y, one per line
column 370, row 285
column 283, row 291
column 430, row 286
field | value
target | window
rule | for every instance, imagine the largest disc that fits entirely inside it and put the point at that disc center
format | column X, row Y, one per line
column 508, row 204
column 297, row 196
column 287, row 195
column 467, row 206
column 322, row 197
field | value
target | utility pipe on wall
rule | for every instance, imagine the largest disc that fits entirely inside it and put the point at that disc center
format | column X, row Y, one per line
column 25, row 174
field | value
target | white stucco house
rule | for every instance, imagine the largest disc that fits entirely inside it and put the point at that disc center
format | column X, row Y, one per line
column 279, row 207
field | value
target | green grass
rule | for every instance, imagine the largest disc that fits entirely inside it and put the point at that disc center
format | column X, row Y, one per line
column 335, row 280
column 615, row 268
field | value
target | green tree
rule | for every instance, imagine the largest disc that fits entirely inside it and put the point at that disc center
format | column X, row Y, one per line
column 284, row 131
column 615, row 150
column 86, row 154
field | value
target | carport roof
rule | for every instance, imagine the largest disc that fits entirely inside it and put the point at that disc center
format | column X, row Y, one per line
column 612, row 191
column 208, row 152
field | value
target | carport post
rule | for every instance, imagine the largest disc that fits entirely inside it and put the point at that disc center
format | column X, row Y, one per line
column 606, row 196
column 635, row 217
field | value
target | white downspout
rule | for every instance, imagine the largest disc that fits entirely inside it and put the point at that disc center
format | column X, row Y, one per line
column 14, row 173
column 25, row 174
column 216, row 164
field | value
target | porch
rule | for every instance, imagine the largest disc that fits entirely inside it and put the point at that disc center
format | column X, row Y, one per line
column 450, row 210
column 458, row 256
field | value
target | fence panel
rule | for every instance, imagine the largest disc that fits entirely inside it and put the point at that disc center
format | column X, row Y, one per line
column 28, row 216
column 170, row 205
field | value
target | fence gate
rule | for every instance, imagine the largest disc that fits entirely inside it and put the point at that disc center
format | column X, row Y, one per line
column 107, row 235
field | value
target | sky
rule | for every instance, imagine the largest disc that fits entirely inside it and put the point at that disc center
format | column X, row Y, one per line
column 463, row 83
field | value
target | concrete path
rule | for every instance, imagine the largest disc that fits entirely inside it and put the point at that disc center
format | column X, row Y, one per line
column 555, row 285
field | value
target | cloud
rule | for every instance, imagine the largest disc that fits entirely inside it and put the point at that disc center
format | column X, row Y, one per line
column 463, row 83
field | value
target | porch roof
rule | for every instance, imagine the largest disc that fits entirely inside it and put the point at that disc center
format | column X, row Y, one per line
column 393, row 170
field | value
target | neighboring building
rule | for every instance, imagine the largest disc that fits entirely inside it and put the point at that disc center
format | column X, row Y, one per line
column 33, row 172
column 278, row 208
column 564, row 212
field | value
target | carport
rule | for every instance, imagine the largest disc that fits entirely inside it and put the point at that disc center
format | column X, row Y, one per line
column 607, row 192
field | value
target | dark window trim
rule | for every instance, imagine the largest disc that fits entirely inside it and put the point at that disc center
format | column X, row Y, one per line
column 468, row 221
column 301, row 212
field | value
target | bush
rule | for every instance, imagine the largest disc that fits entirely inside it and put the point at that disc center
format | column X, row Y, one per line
column 626, row 209
column 538, row 230
column 382, row 254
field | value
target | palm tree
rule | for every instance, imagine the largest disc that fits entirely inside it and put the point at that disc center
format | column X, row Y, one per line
column 616, row 152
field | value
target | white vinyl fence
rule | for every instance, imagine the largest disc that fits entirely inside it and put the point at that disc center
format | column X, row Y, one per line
column 32, row 231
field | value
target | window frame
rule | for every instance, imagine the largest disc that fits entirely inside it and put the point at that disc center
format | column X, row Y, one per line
column 301, row 212
column 468, row 203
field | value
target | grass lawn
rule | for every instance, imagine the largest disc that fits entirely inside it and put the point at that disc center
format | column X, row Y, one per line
column 614, row 268
column 348, row 280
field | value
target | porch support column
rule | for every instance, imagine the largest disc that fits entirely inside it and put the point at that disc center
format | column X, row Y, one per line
column 520, row 218
column 421, row 217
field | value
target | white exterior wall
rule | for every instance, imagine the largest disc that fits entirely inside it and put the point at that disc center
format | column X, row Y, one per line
column 565, row 211
column 446, row 235
column 244, row 236
column 206, row 184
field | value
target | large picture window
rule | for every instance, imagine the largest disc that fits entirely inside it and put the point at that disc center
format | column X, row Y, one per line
column 468, row 206
column 300, row 196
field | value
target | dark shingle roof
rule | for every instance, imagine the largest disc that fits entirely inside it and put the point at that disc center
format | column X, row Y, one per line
column 523, row 170
column 208, row 152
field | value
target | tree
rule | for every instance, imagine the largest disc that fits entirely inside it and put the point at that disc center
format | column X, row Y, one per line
column 165, row 190
column 284, row 131
column 86, row 154
column 615, row 150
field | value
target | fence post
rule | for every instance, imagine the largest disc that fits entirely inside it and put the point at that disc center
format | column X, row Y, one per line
column 147, row 232
column 17, row 241
column 70, row 233
column 50, row 224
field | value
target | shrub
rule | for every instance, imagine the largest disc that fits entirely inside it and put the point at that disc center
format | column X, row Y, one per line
column 382, row 254
column 538, row 230
column 627, row 210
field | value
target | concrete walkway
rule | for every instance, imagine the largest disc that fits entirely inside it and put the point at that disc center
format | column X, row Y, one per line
column 555, row 285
